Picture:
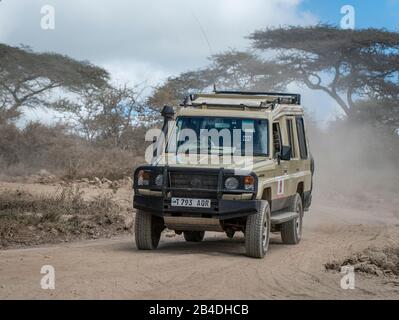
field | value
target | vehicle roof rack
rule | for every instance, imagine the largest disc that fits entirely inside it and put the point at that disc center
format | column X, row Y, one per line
column 284, row 97
column 253, row 99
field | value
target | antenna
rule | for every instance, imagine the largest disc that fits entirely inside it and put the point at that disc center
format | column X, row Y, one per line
column 203, row 33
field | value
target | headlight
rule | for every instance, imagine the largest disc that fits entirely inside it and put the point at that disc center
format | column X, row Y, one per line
column 143, row 178
column 249, row 183
column 159, row 180
column 231, row 183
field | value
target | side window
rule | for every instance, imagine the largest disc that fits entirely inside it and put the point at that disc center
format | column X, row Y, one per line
column 276, row 138
column 291, row 139
column 301, row 138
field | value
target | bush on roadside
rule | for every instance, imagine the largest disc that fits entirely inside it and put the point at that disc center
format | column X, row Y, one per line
column 372, row 261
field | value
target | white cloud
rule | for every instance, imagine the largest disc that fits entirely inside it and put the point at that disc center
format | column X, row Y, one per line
column 145, row 41
column 163, row 35
column 39, row 115
column 135, row 73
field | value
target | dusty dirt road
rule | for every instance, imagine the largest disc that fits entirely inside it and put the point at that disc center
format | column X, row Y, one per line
column 214, row 269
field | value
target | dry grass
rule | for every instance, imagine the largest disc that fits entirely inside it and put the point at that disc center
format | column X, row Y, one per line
column 109, row 163
column 28, row 220
column 26, row 151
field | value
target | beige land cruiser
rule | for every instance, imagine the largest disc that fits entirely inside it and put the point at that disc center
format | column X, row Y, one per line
column 228, row 162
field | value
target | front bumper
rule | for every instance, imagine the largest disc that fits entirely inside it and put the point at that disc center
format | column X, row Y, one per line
column 160, row 205
column 220, row 209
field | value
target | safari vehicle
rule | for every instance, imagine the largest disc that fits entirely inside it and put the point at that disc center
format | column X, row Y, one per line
column 268, row 195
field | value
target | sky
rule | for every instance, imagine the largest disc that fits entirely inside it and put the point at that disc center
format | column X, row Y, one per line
column 145, row 41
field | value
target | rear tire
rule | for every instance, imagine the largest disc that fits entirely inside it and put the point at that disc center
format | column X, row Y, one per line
column 194, row 236
column 147, row 230
column 291, row 231
column 257, row 232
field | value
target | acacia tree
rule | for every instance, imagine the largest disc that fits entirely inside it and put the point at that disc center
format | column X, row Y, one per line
column 348, row 65
column 230, row 70
column 345, row 64
column 27, row 78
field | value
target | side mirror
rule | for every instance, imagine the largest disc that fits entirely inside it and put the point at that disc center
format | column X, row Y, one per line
column 285, row 153
column 168, row 113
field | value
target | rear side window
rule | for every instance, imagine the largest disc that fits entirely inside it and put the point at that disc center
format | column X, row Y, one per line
column 301, row 138
column 276, row 138
column 291, row 140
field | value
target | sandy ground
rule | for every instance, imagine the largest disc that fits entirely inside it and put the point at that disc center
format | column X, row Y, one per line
column 216, row 268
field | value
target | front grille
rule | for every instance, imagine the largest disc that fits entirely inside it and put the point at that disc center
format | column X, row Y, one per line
column 194, row 181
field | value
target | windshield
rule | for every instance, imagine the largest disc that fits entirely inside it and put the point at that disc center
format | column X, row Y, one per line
column 223, row 136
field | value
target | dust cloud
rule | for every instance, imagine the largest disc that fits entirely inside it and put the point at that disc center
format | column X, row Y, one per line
column 356, row 164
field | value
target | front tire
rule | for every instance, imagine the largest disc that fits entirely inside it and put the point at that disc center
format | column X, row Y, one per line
column 291, row 231
column 257, row 232
column 147, row 230
column 194, row 236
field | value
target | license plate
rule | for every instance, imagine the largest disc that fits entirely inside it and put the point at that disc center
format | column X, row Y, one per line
column 191, row 203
